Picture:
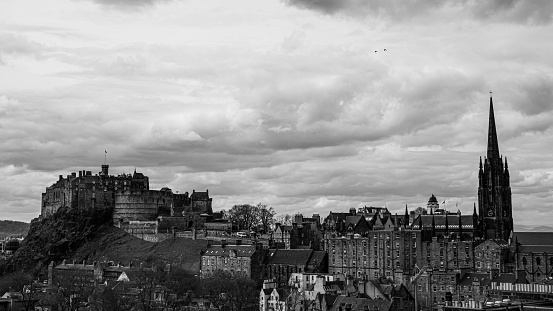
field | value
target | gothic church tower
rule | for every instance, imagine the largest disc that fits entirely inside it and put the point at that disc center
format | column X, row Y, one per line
column 494, row 190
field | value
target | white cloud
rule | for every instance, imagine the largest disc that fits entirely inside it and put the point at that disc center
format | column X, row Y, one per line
column 265, row 102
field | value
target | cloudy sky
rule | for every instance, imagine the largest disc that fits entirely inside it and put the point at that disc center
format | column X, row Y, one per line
column 305, row 105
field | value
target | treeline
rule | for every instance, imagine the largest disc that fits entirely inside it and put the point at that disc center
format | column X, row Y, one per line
column 259, row 218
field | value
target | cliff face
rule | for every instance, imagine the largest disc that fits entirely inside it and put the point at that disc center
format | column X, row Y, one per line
column 58, row 237
column 88, row 235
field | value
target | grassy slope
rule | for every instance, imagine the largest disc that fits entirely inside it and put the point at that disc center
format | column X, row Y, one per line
column 113, row 244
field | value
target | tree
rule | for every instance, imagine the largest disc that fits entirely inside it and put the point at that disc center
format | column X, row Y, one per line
column 22, row 282
column 230, row 292
column 265, row 217
column 245, row 216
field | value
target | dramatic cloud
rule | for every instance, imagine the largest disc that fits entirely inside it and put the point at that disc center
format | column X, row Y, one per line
column 516, row 11
column 335, row 105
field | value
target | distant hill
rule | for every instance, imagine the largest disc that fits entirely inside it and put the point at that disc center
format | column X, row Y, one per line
column 10, row 228
column 526, row 228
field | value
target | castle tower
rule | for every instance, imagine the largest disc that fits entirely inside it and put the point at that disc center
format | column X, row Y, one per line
column 494, row 190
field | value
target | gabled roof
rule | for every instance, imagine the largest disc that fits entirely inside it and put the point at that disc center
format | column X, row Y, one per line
column 291, row 257
column 505, row 278
column 354, row 220
column 337, row 217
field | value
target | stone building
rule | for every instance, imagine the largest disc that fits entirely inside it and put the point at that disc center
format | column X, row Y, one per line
column 492, row 255
column 243, row 260
column 136, row 208
column 303, row 233
column 533, row 254
column 280, row 264
column 382, row 253
column 88, row 191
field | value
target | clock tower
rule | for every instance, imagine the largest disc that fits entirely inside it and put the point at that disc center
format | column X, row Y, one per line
column 494, row 190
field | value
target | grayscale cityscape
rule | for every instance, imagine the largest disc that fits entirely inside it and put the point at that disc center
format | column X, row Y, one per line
column 276, row 155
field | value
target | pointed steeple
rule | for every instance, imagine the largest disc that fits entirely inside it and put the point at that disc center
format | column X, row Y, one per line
column 474, row 211
column 406, row 217
column 493, row 146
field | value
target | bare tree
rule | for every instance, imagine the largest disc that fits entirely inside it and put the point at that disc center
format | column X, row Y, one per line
column 245, row 216
column 265, row 217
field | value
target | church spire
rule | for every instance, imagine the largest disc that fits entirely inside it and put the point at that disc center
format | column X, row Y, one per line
column 493, row 146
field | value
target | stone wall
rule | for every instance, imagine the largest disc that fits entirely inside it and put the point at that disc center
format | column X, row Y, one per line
column 141, row 205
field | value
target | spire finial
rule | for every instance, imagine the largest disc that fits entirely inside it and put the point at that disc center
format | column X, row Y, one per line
column 493, row 146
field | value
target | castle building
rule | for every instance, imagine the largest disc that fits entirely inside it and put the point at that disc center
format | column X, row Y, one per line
column 136, row 208
column 494, row 190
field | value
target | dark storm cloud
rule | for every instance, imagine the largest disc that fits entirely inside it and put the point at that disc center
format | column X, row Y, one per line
column 536, row 95
column 129, row 4
column 395, row 9
column 516, row 11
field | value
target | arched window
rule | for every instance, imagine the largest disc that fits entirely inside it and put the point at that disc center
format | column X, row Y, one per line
column 524, row 261
column 538, row 261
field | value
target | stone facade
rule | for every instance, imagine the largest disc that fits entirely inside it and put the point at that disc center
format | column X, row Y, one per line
column 243, row 260
column 382, row 253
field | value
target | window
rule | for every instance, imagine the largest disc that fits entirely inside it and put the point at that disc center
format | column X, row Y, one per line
column 538, row 261
column 524, row 261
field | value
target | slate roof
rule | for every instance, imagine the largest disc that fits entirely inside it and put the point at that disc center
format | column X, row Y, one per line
column 353, row 220
column 534, row 238
column 483, row 278
column 439, row 220
column 536, row 248
column 337, row 286
column 240, row 250
column 337, row 217
column 317, row 258
column 291, row 257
